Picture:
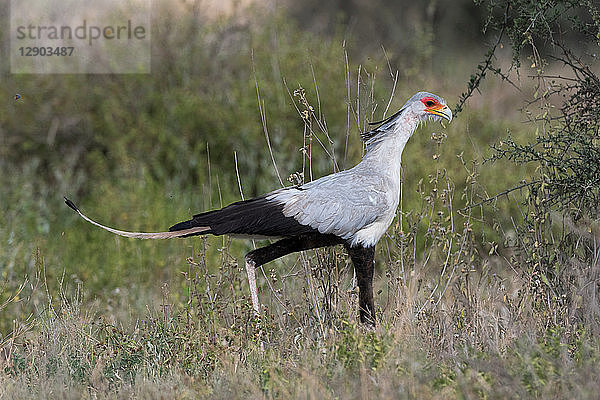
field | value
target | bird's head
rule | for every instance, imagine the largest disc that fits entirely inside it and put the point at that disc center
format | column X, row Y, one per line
column 428, row 106
column 420, row 108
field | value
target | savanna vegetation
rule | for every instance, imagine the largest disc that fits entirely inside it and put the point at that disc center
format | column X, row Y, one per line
column 487, row 284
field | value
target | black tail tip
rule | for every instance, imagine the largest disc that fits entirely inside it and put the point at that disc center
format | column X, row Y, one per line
column 70, row 204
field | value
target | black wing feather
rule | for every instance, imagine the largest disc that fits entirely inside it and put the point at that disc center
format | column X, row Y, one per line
column 257, row 216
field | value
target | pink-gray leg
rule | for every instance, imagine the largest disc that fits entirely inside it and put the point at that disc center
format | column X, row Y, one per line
column 251, row 271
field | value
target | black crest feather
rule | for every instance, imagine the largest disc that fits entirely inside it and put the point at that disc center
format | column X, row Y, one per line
column 384, row 125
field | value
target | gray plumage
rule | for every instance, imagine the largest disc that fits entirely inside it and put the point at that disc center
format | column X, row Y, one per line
column 360, row 203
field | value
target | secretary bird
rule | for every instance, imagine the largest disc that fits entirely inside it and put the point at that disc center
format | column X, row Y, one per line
column 354, row 207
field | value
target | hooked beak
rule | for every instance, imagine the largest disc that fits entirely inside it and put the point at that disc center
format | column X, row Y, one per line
column 443, row 112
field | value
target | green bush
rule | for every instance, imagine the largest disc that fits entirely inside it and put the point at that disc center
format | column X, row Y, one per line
column 556, row 244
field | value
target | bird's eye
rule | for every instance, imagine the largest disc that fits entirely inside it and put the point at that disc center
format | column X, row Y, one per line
column 429, row 103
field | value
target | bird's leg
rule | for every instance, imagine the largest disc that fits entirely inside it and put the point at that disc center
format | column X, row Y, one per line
column 363, row 260
column 263, row 255
column 250, row 270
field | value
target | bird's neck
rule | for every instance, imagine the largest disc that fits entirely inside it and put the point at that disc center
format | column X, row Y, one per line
column 387, row 147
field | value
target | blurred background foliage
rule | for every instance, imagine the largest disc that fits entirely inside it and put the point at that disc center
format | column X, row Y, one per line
column 144, row 151
column 141, row 152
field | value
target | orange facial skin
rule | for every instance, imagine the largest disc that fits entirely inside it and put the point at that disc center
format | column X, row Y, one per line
column 433, row 106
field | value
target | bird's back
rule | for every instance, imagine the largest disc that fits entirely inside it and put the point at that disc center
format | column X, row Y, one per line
column 341, row 204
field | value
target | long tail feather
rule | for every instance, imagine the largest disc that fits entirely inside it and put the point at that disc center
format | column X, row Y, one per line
column 141, row 235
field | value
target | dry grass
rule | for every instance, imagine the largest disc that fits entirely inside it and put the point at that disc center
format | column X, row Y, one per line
column 482, row 339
